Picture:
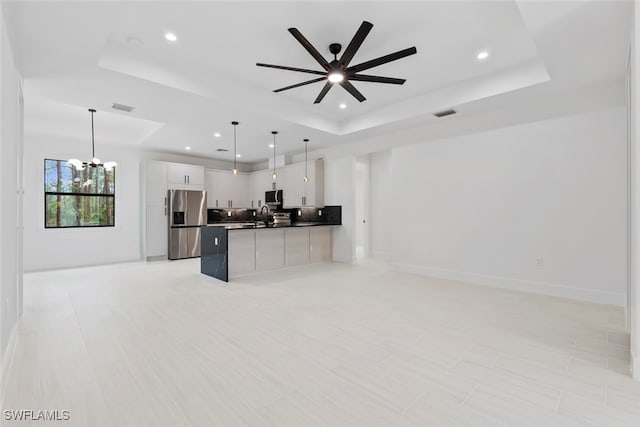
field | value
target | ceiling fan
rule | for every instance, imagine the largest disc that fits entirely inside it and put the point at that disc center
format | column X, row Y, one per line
column 338, row 70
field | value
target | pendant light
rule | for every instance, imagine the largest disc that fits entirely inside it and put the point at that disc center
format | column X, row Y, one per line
column 274, row 133
column 79, row 164
column 306, row 175
column 235, row 156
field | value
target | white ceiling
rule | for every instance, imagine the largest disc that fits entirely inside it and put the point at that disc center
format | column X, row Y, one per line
column 76, row 55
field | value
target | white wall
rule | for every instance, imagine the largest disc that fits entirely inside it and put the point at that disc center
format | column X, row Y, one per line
column 362, row 206
column 634, row 193
column 46, row 249
column 483, row 207
column 340, row 189
column 10, row 152
column 380, row 203
column 74, row 247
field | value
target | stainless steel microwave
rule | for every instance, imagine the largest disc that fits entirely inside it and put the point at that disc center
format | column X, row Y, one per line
column 273, row 197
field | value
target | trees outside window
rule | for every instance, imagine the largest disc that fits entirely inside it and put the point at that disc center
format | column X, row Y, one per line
column 74, row 198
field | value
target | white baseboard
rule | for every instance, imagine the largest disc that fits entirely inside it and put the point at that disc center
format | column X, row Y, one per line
column 544, row 288
column 74, row 267
column 7, row 361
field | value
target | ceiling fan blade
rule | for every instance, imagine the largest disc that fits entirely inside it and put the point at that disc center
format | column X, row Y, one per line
column 382, row 60
column 300, row 70
column 352, row 90
column 356, row 42
column 376, row 79
column 301, row 84
column 323, row 92
column 309, row 47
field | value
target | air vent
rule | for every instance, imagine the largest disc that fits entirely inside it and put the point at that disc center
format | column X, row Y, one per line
column 122, row 107
column 222, row 149
column 445, row 113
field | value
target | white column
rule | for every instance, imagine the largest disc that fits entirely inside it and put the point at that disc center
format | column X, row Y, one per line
column 634, row 193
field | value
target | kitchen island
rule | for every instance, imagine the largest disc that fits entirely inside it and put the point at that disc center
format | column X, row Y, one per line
column 236, row 249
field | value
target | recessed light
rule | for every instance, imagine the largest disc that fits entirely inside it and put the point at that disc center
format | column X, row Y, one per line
column 482, row 55
column 171, row 37
column 187, row 148
column 270, row 145
column 217, row 135
column 238, row 155
column 343, row 106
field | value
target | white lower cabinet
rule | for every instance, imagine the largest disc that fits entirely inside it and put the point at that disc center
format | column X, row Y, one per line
column 269, row 249
column 296, row 246
column 251, row 251
column 320, row 244
column 241, row 252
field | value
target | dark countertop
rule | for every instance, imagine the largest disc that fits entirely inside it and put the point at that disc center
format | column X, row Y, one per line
column 261, row 225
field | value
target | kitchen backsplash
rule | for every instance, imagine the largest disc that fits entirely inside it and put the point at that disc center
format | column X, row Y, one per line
column 326, row 215
column 237, row 215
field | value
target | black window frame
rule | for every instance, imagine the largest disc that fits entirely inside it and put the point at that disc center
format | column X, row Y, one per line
column 80, row 194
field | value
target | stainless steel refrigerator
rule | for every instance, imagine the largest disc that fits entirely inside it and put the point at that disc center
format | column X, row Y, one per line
column 187, row 213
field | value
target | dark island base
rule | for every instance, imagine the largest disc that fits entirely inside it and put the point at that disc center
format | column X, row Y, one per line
column 213, row 261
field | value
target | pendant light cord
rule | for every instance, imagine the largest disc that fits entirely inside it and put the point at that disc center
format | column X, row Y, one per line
column 306, row 171
column 93, row 141
column 235, row 155
column 274, row 151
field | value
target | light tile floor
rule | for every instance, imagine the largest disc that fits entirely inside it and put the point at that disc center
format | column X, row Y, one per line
column 158, row 344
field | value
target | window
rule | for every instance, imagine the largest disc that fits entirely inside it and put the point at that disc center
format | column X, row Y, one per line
column 74, row 198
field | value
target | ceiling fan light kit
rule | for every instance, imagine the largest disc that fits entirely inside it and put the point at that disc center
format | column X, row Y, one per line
column 338, row 70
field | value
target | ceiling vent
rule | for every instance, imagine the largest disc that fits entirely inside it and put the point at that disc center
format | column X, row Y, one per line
column 122, row 107
column 221, row 149
column 444, row 113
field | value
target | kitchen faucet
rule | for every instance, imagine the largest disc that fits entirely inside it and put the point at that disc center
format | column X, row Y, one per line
column 266, row 219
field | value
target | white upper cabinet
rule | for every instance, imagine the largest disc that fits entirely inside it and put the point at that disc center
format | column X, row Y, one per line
column 156, row 183
column 211, row 185
column 260, row 182
column 297, row 192
column 237, row 190
column 185, row 177
column 226, row 190
column 290, row 180
column 314, row 187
